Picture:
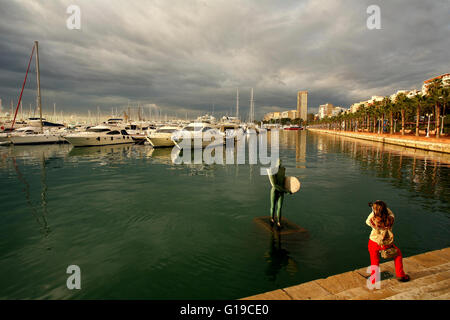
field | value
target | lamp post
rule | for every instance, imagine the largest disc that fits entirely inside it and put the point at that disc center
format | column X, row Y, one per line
column 442, row 125
column 428, row 129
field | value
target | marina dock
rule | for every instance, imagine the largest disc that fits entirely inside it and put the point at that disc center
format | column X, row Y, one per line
column 405, row 141
column 429, row 272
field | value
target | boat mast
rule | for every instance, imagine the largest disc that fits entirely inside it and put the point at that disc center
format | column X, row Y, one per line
column 38, row 84
column 251, row 116
column 237, row 103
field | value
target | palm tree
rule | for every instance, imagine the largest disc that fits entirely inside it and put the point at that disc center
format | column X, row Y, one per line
column 401, row 103
column 390, row 108
column 384, row 107
column 435, row 94
column 377, row 112
column 371, row 114
column 445, row 100
column 419, row 100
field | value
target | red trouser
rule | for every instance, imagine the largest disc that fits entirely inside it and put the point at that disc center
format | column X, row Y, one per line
column 374, row 251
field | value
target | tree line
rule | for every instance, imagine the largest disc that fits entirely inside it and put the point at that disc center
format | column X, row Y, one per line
column 381, row 116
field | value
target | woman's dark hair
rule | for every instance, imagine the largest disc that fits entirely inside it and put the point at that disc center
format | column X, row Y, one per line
column 381, row 215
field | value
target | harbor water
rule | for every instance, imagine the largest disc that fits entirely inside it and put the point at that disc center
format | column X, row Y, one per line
column 141, row 227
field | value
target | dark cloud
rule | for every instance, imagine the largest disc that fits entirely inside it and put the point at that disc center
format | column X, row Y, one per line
column 185, row 56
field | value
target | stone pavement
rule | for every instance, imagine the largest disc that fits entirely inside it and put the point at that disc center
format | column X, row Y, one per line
column 432, row 144
column 430, row 280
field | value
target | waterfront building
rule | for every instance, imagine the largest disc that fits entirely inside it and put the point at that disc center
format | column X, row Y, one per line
column 268, row 116
column 302, row 105
column 289, row 114
column 354, row 107
column 336, row 111
column 413, row 93
column 293, row 114
column 374, row 99
column 445, row 82
column 325, row 110
column 393, row 97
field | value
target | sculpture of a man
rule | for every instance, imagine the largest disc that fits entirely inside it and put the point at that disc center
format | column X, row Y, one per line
column 277, row 193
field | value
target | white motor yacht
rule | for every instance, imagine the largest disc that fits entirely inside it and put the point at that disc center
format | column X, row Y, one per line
column 162, row 137
column 4, row 137
column 197, row 130
column 99, row 136
column 32, row 135
column 232, row 131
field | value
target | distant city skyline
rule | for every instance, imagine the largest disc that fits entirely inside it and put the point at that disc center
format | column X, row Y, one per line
column 190, row 57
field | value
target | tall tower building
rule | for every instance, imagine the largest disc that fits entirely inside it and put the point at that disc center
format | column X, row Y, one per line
column 302, row 105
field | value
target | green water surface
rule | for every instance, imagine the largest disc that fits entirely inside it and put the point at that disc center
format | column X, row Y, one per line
column 140, row 227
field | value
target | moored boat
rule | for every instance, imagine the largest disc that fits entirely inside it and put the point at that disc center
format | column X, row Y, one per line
column 196, row 132
column 162, row 137
column 99, row 136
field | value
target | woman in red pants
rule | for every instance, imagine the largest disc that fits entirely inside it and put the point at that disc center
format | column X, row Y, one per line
column 381, row 220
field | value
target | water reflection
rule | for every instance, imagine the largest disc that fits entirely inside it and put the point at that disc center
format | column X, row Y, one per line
column 39, row 215
column 117, row 151
column 300, row 149
column 278, row 258
column 32, row 154
column 160, row 155
column 421, row 171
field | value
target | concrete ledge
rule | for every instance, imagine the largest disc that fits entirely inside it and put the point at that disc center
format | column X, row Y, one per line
column 410, row 143
column 429, row 272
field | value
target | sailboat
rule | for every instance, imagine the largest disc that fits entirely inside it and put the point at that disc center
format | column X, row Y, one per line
column 42, row 136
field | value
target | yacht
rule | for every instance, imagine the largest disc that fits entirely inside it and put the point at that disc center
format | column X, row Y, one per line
column 232, row 130
column 36, row 122
column 32, row 135
column 38, row 134
column 138, row 131
column 292, row 127
column 162, row 137
column 114, row 122
column 4, row 137
column 196, row 130
column 99, row 136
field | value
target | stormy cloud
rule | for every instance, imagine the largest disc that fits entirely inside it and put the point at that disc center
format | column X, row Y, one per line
column 188, row 57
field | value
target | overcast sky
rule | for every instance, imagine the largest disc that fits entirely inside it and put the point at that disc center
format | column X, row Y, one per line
column 184, row 56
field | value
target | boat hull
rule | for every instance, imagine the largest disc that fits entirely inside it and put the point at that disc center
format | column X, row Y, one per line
column 83, row 141
column 161, row 142
column 36, row 139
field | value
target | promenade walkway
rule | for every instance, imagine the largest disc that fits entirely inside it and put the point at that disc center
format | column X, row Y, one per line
column 430, row 144
column 430, row 280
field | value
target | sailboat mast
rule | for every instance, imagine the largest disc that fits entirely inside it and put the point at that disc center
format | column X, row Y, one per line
column 237, row 103
column 38, row 75
column 251, row 106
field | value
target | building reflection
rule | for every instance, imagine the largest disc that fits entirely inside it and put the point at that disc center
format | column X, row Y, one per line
column 300, row 149
column 425, row 172
column 290, row 139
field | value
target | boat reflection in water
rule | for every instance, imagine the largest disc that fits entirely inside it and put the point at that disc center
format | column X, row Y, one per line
column 39, row 211
column 32, row 154
column 161, row 155
column 96, row 151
